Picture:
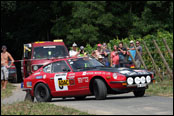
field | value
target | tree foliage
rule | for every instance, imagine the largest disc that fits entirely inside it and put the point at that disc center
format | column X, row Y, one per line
column 82, row 21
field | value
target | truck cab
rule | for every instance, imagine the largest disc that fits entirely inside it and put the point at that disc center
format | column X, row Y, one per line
column 40, row 53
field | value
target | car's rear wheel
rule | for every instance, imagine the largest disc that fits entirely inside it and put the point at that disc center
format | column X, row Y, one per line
column 80, row 97
column 99, row 89
column 42, row 93
column 139, row 93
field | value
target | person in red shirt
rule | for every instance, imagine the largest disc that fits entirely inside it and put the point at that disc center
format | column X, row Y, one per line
column 114, row 57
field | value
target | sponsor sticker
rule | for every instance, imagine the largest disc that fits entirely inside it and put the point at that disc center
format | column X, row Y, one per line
column 29, row 84
column 98, row 73
column 80, row 80
column 84, row 73
column 44, row 77
column 83, row 79
column 39, row 77
column 71, row 82
column 71, row 77
column 63, row 82
column 37, row 73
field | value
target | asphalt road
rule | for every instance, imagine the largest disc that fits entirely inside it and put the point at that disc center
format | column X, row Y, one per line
column 123, row 104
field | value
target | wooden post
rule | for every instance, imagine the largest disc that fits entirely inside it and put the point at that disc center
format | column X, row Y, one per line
column 139, row 55
column 168, row 49
column 156, row 67
column 165, row 63
column 131, row 57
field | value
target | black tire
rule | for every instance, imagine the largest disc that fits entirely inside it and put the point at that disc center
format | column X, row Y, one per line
column 80, row 97
column 139, row 93
column 42, row 93
column 15, row 80
column 99, row 89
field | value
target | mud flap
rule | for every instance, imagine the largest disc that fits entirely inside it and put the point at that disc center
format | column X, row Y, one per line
column 28, row 96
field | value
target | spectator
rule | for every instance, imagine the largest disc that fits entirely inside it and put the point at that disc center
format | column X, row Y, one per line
column 137, row 59
column 122, row 55
column 82, row 52
column 4, row 66
column 132, row 51
column 114, row 57
column 105, row 54
column 97, row 53
column 74, row 52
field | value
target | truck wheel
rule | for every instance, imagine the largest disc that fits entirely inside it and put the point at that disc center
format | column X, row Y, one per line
column 28, row 96
column 139, row 93
column 100, row 90
column 80, row 97
column 42, row 93
column 15, row 80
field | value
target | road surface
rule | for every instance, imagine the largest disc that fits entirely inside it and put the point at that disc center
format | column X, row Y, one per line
column 123, row 104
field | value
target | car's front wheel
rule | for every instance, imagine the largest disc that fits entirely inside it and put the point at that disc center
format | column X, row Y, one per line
column 139, row 93
column 100, row 89
column 42, row 93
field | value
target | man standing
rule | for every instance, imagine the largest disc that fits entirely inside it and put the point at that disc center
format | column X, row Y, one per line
column 132, row 51
column 74, row 52
column 4, row 66
column 105, row 54
column 122, row 54
column 97, row 53
column 137, row 59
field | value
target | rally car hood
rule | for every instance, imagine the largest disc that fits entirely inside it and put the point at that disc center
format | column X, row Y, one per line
column 123, row 71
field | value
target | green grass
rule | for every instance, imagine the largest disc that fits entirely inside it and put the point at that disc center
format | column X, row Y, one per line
column 8, row 91
column 163, row 88
column 30, row 108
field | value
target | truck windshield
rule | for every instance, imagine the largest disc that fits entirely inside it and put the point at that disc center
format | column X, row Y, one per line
column 49, row 52
column 85, row 63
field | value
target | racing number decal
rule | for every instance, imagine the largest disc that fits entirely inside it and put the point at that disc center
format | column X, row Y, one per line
column 58, row 80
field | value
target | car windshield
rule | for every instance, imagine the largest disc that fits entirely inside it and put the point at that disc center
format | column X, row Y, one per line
column 52, row 51
column 84, row 63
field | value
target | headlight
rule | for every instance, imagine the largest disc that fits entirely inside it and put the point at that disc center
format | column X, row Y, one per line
column 137, row 80
column 115, row 75
column 35, row 67
column 143, row 79
column 148, row 79
column 130, row 80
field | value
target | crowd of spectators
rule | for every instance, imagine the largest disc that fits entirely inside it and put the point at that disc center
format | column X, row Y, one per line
column 119, row 57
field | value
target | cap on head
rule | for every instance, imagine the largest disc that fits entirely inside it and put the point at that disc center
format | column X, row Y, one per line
column 131, row 41
column 99, row 45
column 104, row 44
column 74, row 44
column 4, row 47
column 81, row 47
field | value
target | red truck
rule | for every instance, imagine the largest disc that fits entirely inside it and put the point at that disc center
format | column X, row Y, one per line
column 39, row 53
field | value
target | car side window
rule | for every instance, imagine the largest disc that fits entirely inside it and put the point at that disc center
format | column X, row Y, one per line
column 60, row 66
column 47, row 68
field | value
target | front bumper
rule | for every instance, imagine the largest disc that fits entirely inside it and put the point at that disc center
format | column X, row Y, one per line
column 125, row 84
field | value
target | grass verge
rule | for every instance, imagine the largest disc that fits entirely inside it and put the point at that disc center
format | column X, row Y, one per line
column 8, row 91
column 30, row 108
column 163, row 88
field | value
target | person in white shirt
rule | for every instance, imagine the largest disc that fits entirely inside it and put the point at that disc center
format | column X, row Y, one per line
column 74, row 52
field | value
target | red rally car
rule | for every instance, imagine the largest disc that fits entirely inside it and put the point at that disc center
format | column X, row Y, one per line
column 81, row 77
